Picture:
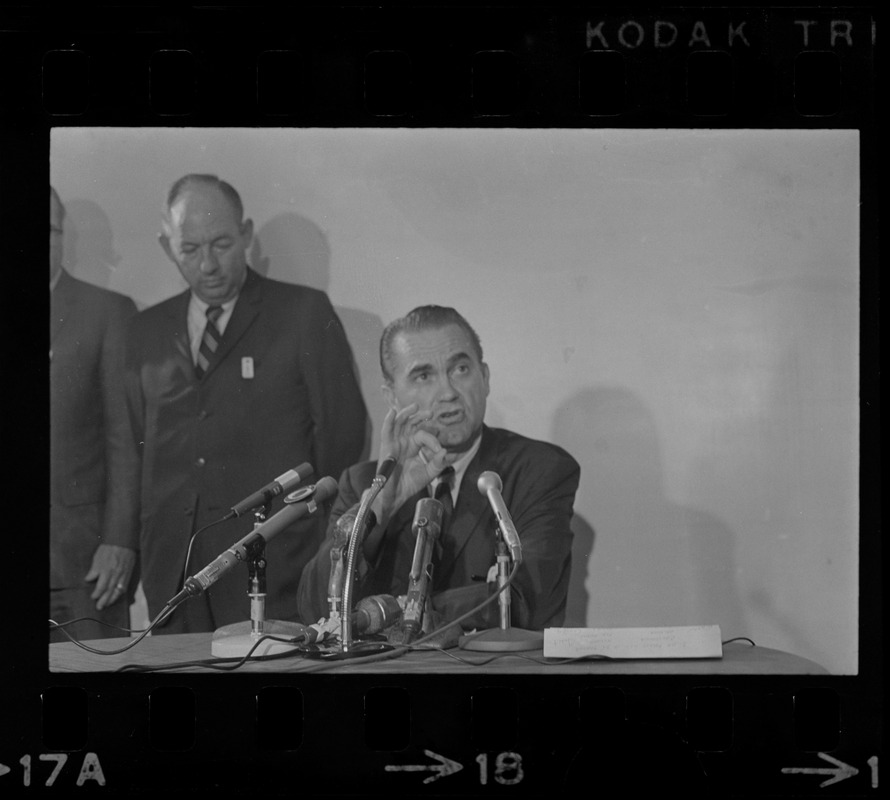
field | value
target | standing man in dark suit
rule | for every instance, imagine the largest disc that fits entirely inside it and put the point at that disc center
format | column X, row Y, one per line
column 229, row 384
column 436, row 384
column 91, row 563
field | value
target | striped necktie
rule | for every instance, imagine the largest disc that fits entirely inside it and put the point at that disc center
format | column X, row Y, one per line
column 209, row 341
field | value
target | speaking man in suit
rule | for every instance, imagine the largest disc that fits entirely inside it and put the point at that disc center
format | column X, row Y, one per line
column 230, row 384
column 436, row 384
column 91, row 563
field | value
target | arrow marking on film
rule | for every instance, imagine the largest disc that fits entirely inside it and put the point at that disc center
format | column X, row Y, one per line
column 444, row 768
column 3, row 769
column 840, row 771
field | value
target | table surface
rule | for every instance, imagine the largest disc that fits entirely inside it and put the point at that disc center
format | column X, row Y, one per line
column 739, row 658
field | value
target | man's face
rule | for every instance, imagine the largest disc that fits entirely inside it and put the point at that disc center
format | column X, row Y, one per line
column 207, row 242
column 439, row 370
column 55, row 236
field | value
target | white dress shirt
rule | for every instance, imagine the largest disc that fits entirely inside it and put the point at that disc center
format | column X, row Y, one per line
column 197, row 321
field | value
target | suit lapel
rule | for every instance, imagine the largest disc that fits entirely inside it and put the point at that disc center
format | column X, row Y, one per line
column 246, row 310
column 473, row 519
column 178, row 333
column 395, row 560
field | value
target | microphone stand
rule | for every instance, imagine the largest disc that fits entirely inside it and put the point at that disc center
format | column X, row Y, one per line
column 348, row 648
column 503, row 638
column 239, row 638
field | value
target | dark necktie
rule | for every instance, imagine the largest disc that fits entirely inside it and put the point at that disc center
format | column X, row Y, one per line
column 443, row 495
column 209, row 341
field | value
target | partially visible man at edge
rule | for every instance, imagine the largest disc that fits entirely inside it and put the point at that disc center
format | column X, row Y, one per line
column 436, row 385
column 92, row 566
column 230, row 384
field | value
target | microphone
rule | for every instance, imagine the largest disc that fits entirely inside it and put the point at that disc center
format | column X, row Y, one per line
column 490, row 485
column 426, row 527
column 325, row 489
column 372, row 615
column 386, row 467
column 283, row 483
column 338, row 551
column 384, row 470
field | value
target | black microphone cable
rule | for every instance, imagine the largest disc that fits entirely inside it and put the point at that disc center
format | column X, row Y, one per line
column 227, row 664
column 165, row 612
column 188, row 552
column 306, row 473
column 400, row 650
column 319, row 659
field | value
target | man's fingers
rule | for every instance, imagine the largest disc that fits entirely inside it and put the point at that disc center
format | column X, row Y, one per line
column 111, row 595
column 388, row 419
column 407, row 423
column 428, row 443
column 110, row 586
column 442, row 459
column 107, row 599
column 407, row 411
column 434, row 456
column 102, row 587
column 397, row 424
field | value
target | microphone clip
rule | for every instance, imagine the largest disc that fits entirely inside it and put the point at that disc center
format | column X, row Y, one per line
column 300, row 494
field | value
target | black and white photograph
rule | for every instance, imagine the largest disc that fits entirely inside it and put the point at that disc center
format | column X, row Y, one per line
column 409, row 397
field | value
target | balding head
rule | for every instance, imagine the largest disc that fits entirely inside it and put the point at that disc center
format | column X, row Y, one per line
column 204, row 235
column 198, row 180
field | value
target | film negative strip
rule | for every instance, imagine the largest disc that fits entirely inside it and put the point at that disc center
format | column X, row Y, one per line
column 680, row 203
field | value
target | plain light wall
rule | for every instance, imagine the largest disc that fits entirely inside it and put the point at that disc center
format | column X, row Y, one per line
column 678, row 309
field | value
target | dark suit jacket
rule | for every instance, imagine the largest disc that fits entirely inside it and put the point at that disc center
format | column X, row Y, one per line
column 87, row 423
column 540, row 481
column 203, row 445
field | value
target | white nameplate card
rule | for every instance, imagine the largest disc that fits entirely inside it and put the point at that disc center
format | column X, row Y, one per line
column 692, row 641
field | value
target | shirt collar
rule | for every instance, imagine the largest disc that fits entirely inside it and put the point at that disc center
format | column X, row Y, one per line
column 202, row 306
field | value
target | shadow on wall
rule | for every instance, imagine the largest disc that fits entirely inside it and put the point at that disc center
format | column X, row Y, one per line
column 88, row 243
column 798, row 460
column 294, row 249
column 582, row 551
column 657, row 563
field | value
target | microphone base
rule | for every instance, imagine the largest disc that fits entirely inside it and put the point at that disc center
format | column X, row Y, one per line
column 237, row 640
column 502, row 640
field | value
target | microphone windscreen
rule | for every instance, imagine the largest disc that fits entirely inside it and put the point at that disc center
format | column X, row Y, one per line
column 387, row 466
column 326, row 489
column 428, row 514
column 377, row 612
column 488, row 481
